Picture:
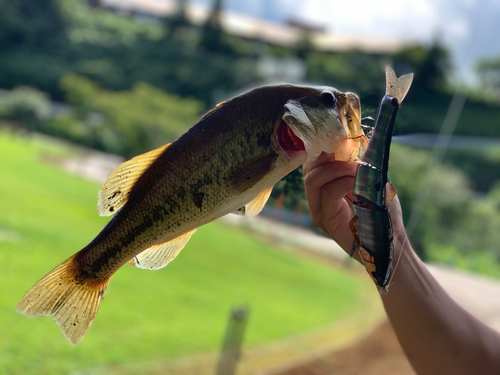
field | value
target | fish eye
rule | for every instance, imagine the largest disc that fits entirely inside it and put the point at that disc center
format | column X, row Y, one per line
column 328, row 98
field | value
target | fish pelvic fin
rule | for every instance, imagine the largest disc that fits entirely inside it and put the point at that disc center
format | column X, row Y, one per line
column 159, row 255
column 397, row 87
column 71, row 299
column 117, row 187
column 256, row 205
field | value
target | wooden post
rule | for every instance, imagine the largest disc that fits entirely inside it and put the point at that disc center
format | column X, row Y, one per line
column 231, row 349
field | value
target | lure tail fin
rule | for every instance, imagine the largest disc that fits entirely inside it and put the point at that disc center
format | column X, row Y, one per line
column 397, row 87
column 72, row 299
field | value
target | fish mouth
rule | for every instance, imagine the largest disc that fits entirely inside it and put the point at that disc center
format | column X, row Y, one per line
column 288, row 141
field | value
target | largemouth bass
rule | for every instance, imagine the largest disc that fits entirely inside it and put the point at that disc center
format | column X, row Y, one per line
column 230, row 159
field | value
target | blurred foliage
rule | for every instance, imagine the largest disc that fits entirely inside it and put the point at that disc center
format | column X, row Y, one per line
column 38, row 24
column 452, row 216
column 124, row 122
column 26, row 105
column 292, row 188
column 488, row 71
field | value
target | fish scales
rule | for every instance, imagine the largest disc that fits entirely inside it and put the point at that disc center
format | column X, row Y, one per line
column 231, row 158
column 170, row 176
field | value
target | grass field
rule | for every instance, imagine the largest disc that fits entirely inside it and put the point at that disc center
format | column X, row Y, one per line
column 47, row 215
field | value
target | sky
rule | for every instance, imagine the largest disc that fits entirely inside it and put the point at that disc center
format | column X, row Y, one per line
column 469, row 28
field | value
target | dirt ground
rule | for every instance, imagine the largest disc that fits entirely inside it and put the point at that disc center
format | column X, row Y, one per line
column 377, row 354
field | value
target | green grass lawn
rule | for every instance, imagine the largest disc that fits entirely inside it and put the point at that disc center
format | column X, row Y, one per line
column 47, row 215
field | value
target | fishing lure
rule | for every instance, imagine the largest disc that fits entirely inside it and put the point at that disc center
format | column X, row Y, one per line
column 371, row 224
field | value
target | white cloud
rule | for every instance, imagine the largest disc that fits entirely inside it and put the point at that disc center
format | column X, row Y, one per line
column 415, row 19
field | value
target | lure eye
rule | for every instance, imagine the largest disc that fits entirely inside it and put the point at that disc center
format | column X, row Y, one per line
column 328, row 98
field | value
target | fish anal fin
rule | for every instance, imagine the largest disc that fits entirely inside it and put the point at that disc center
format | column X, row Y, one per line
column 117, row 187
column 71, row 299
column 252, row 173
column 159, row 255
column 254, row 207
column 390, row 193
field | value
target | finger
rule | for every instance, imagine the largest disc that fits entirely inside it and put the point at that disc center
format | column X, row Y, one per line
column 334, row 209
column 329, row 209
column 335, row 213
column 325, row 174
column 323, row 158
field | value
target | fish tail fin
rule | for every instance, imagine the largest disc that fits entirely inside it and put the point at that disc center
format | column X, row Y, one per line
column 72, row 299
column 397, row 87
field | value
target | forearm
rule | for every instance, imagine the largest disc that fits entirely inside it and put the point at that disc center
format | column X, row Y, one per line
column 437, row 335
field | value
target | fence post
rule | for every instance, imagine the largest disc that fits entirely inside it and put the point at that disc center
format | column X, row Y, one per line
column 231, row 349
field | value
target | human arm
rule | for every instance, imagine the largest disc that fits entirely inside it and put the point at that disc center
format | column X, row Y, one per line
column 437, row 335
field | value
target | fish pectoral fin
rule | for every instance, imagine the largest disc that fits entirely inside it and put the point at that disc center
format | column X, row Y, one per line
column 159, row 255
column 257, row 204
column 252, row 173
column 116, row 189
column 390, row 193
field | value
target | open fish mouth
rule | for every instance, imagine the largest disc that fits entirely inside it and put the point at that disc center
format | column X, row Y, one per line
column 310, row 129
column 288, row 141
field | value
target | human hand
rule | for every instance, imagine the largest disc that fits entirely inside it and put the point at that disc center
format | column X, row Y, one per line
column 328, row 185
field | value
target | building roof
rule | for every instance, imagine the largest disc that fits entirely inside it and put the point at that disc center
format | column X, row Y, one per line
column 256, row 28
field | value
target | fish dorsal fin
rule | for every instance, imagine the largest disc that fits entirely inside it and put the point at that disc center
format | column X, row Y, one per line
column 397, row 87
column 212, row 110
column 159, row 255
column 116, row 190
column 390, row 193
column 257, row 204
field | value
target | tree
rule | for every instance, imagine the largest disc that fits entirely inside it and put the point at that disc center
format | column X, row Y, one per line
column 129, row 122
column 488, row 71
column 35, row 24
column 177, row 21
column 212, row 37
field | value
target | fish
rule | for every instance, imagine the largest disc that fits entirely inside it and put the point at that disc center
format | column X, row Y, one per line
column 228, row 161
column 371, row 222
